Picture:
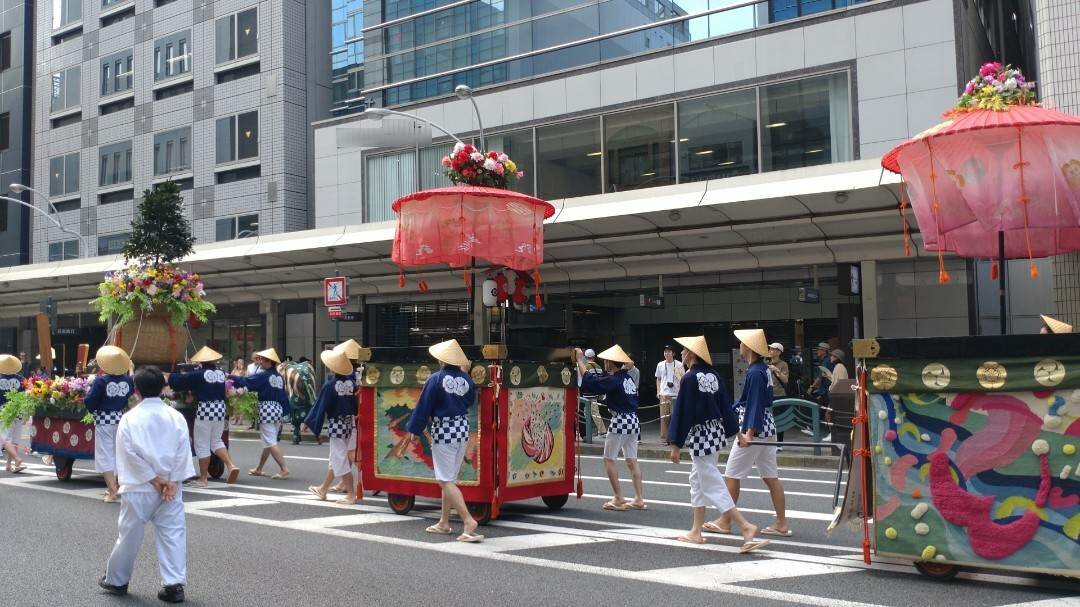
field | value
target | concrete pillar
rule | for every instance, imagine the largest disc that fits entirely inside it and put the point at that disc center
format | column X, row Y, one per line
column 481, row 330
column 869, row 298
column 1057, row 31
column 269, row 311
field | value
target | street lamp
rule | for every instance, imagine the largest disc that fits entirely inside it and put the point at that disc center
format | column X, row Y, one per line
column 464, row 91
column 378, row 113
column 19, row 188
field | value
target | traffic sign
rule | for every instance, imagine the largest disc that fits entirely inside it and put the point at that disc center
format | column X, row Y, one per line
column 335, row 291
column 334, row 312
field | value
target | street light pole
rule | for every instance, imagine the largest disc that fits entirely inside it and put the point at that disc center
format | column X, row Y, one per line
column 464, row 91
column 48, row 216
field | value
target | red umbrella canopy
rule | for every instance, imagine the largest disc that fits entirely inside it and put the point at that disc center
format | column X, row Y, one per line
column 457, row 224
column 997, row 164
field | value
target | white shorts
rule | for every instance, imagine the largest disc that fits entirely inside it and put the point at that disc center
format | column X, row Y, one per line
column 448, row 458
column 105, row 448
column 627, row 443
column 208, row 437
column 742, row 459
column 339, row 454
column 707, row 486
column 12, row 433
column 268, row 432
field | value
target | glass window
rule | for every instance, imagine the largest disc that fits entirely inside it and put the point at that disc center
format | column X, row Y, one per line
column 518, row 145
column 718, row 136
column 116, row 73
column 65, row 89
column 114, row 163
column 640, row 148
column 568, row 159
column 5, row 131
column 172, row 151
column 5, row 51
column 64, row 175
column 59, row 251
column 112, row 244
column 225, row 229
column 237, row 137
column 236, row 36
column 431, row 168
column 389, row 177
column 172, row 56
column 66, row 12
column 247, row 226
column 805, row 123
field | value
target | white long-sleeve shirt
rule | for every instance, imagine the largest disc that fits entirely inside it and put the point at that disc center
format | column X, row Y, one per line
column 152, row 441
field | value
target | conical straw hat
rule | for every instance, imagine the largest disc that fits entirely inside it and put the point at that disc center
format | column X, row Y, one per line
column 615, row 354
column 9, row 365
column 449, row 352
column 337, row 361
column 206, row 355
column 350, row 348
column 113, row 360
column 270, row 354
column 754, row 339
column 1056, row 326
column 698, row 346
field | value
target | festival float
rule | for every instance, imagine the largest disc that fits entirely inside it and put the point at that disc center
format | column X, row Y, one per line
column 971, row 442
column 522, row 442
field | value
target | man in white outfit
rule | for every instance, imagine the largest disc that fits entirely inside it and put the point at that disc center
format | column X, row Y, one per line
column 153, row 456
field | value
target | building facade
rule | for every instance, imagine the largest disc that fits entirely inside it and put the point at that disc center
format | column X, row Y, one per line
column 216, row 96
column 16, row 109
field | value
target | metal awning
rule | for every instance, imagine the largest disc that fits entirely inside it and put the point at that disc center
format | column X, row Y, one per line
column 817, row 215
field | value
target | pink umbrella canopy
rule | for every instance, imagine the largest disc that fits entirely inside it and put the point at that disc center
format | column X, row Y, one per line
column 998, row 165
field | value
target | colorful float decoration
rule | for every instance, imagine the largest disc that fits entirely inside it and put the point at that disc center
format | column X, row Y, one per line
column 477, row 220
column 151, row 301
column 522, row 428
column 999, row 179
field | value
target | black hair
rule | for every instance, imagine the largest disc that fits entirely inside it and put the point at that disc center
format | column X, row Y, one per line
column 305, row 359
column 149, row 381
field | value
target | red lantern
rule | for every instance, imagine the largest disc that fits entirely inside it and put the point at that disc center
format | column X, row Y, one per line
column 461, row 224
column 193, row 322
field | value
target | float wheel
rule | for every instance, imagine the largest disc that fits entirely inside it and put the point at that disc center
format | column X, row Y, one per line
column 64, row 466
column 937, row 571
column 216, row 468
column 555, row 502
column 399, row 503
column 481, row 511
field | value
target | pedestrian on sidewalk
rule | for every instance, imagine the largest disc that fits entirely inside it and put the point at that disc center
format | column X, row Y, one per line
column 153, row 457
column 669, row 374
column 593, row 368
column 11, row 379
column 239, row 370
column 208, row 385
column 778, row 370
column 702, row 418
column 755, row 424
column 106, row 400
column 273, row 406
column 622, row 400
column 444, row 405
column 336, row 405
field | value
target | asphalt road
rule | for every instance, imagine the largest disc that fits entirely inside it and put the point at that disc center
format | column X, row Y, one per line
column 265, row 542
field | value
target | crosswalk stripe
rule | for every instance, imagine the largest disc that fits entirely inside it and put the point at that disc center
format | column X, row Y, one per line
column 782, row 478
column 748, row 571
column 531, row 542
column 687, row 485
column 348, row 520
column 797, row 514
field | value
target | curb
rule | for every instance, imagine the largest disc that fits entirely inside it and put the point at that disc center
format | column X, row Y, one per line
column 645, row 451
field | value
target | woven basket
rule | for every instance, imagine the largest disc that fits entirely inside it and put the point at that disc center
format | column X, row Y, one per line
column 153, row 339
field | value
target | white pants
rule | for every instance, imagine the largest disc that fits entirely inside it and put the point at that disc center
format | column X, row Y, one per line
column 742, row 459
column 12, row 433
column 447, row 458
column 269, row 433
column 105, row 448
column 208, row 437
column 339, row 454
column 613, row 443
column 136, row 510
column 707, row 486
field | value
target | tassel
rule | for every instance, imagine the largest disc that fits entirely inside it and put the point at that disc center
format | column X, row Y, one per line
column 994, row 271
column 1034, row 271
column 536, row 296
column 943, row 276
column 401, row 279
column 903, row 219
column 468, row 279
column 422, row 286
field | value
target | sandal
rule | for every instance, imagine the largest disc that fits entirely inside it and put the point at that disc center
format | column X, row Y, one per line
column 234, row 474
column 641, row 506
column 439, row 530
column 280, row 476
column 18, row 469
column 110, row 499
column 615, row 507
column 319, row 494
column 689, row 540
column 196, row 483
column 752, row 545
column 712, row 527
column 770, row 530
column 470, row 538
column 254, row 472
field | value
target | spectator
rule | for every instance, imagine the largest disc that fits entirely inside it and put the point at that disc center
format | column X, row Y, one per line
column 593, row 368
column 25, row 364
column 669, row 373
column 778, row 374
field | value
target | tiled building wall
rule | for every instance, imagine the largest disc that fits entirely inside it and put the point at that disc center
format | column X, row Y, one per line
column 282, row 90
column 1057, row 25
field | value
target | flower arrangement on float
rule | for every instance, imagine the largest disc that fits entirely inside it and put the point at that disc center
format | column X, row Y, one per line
column 996, row 88
column 139, row 287
column 468, row 165
column 237, row 400
column 62, row 397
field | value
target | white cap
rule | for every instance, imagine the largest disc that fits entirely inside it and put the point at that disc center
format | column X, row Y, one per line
column 777, row 346
column 590, row 353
